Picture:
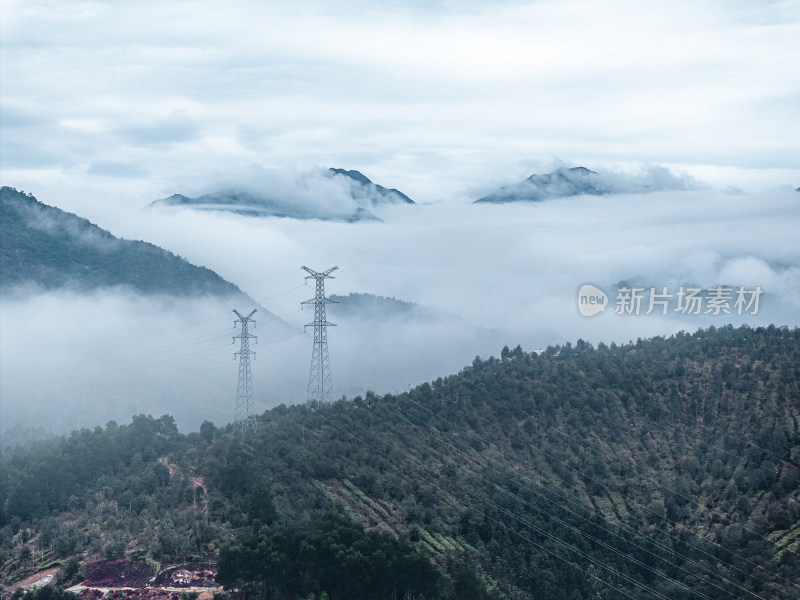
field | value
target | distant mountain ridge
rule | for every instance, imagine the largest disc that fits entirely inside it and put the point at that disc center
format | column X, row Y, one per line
column 560, row 183
column 334, row 194
column 575, row 181
column 369, row 306
column 51, row 248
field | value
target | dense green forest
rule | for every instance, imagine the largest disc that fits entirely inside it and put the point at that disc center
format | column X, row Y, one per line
column 664, row 468
column 51, row 248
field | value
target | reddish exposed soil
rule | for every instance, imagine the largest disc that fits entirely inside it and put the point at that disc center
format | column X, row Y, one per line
column 117, row 573
column 29, row 581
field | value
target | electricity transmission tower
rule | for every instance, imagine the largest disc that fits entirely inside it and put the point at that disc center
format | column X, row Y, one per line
column 319, row 376
column 245, row 419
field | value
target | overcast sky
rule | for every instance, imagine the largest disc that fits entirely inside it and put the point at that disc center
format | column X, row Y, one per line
column 443, row 100
column 107, row 106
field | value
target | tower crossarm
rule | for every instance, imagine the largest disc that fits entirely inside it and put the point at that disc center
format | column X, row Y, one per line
column 312, row 274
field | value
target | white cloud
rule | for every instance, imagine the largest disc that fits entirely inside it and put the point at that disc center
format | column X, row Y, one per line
column 107, row 106
column 433, row 99
column 508, row 274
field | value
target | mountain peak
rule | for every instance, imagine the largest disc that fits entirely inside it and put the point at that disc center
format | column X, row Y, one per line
column 377, row 194
column 564, row 181
column 564, row 173
column 176, row 199
column 354, row 175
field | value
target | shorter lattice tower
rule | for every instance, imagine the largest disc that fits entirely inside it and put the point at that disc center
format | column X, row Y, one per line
column 245, row 419
column 319, row 376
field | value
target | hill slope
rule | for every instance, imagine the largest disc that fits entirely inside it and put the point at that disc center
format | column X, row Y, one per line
column 367, row 190
column 668, row 468
column 50, row 248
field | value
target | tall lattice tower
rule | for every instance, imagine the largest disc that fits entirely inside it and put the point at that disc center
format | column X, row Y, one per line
column 245, row 419
column 319, row 376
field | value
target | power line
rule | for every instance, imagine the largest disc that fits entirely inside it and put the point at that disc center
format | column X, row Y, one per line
column 593, row 480
column 604, row 455
column 399, row 413
column 568, row 547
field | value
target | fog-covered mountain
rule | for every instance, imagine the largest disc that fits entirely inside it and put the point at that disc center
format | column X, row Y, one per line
column 49, row 248
column 371, row 307
column 332, row 194
column 576, row 181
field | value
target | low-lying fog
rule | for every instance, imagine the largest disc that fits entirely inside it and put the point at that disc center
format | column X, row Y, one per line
column 484, row 276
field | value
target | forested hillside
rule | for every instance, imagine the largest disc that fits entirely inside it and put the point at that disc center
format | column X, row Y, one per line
column 50, row 248
column 665, row 468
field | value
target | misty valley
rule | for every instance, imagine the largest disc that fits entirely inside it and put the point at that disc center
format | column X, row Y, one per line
column 454, row 445
column 485, row 300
